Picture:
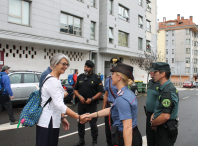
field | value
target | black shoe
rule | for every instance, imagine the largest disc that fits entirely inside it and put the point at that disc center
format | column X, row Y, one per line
column 80, row 143
column 94, row 143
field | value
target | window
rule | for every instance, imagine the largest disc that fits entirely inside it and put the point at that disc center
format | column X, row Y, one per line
column 187, row 70
column 110, row 6
column 187, row 31
column 148, row 6
column 28, row 78
column 166, row 42
column 172, row 69
column 123, row 13
column 93, row 30
column 122, row 39
column 192, row 34
column 70, row 24
column 173, row 33
column 140, row 2
column 148, row 26
column 195, row 61
column 93, row 3
column 166, row 51
column 170, row 24
column 15, row 78
column 166, row 33
column 187, row 60
column 195, row 35
column 172, row 60
column 148, row 46
column 187, row 50
column 195, row 70
column 195, row 43
column 172, row 51
column 140, row 21
column 79, row 0
column 110, row 35
column 166, row 60
column 140, row 43
column 195, row 52
column 19, row 12
column 173, row 42
column 187, row 41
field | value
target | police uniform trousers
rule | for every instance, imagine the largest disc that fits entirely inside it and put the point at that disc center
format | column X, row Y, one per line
column 85, row 108
column 150, row 134
column 6, row 102
column 47, row 136
column 136, row 138
column 162, row 138
column 107, row 127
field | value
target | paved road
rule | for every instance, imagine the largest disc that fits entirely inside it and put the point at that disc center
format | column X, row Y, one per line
column 188, row 130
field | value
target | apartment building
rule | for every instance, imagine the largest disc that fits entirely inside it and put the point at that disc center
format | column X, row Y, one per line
column 32, row 31
column 178, row 42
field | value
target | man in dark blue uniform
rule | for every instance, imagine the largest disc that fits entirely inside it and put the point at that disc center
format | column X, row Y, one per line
column 152, row 96
column 108, row 100
column 164, row 120
column 88, row 89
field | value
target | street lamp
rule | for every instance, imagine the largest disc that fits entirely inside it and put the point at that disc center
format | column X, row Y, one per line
column 180, row 64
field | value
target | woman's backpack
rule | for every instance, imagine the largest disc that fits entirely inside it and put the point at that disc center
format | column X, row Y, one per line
column 32, row 110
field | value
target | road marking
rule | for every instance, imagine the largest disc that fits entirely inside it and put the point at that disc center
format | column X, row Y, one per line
column 185, row 97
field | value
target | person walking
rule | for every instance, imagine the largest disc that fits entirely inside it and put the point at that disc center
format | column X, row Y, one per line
column 48, row 126
column 124, row 128
column 7, row 94
column 44, row 74
column 88, row 89
column 75, row 76
column 152, row 97
column 164, row 119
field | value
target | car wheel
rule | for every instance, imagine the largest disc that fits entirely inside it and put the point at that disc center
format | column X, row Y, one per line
column 136, row 92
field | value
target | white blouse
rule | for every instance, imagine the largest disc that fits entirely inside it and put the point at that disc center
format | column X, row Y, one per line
column 52, row 88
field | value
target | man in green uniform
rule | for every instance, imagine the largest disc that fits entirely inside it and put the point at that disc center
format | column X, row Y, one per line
column 164, row 120
column 152, row 96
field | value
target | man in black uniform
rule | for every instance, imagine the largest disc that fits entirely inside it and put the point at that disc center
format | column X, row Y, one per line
column 164, row 119
column 152, row 96
column 88, row 89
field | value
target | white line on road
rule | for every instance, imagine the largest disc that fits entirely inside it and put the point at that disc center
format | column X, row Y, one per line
column 185, row 97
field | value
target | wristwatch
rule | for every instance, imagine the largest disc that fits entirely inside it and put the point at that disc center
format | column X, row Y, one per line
column 92, row 99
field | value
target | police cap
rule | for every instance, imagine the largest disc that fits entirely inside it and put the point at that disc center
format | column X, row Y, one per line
column 123, row 68
column 151, row 68
column 161, row 66
column 89, row 63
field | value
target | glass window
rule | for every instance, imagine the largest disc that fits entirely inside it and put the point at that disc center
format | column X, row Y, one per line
column 148, row 46
column 70, row 24
column 173, row 51
column 173, row 42
column 140, row 21
column 195, row 43
column 92, row 30
column 195, row 35
column 79, row 0
column 187, row 42
column 187, row 31
column 148, row 6
column 166, row 60
column 173, row 33
column 122, row 39
column 110, row 35
column 28, row 78
column 166, row 33
column 110, row 6
column 195, row 52
column 140, row 43
column 140, row 2
column 166, row 42
column 187, row 60
column 187, row 69
column 170, row 24
column 93, row 3
column 172, row 60
column 187, row 50
column 123, row 13
column 195, row 61
column 19, row 12
column 172, row 69
column 15, row 78
column 36, row 78
column 148, row 26
column 166, row 51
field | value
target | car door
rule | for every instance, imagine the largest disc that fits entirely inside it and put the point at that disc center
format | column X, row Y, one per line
column 30, row 83
column 16, row 85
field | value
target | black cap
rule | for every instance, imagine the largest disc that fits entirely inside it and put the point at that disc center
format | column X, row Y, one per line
column 123, row 68
column 89, row 63
column 161, row 66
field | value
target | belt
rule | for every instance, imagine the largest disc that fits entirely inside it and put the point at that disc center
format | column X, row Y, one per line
column 135, row 129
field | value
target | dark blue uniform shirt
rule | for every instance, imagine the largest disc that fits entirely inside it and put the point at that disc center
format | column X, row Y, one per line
column 124, row 107
column 114, row 90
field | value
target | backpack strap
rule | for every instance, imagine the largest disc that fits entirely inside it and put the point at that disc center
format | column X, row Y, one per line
column 110, row 87
column 50, row 99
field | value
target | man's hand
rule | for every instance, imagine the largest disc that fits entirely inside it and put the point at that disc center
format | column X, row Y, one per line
column 82, row 100
column 88, row 101
column 65, row 94
column 85, row 118
column 12, row 97
column 65, row 124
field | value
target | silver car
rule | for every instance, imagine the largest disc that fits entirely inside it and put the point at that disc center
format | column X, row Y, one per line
column 23, row 83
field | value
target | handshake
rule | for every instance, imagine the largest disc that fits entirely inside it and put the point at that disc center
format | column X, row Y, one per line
column 85, row 118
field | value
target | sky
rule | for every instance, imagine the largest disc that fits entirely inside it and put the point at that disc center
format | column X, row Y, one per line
column 170, row 9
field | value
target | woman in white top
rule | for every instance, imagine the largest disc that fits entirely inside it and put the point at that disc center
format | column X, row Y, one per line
column 47, row 130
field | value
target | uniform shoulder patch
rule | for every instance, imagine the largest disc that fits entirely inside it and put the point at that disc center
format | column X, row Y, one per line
column 166, row 102
column 157, row 88
column 176, row 91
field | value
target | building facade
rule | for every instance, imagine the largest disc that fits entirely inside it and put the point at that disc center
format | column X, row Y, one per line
column 32, row 31
column 177, row 40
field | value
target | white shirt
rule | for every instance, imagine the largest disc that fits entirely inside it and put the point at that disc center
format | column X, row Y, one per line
column 52, row 88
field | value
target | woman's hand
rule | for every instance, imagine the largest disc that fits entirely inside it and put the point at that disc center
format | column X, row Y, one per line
column 65, row 124
column 85, row 118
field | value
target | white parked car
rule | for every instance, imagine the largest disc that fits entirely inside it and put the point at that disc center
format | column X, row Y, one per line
column 23, row 83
